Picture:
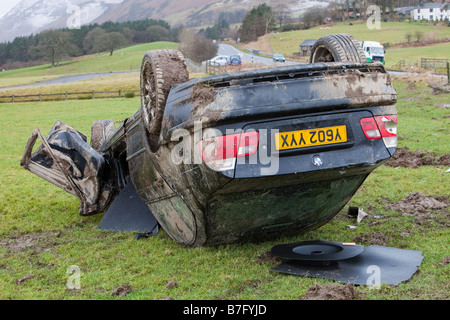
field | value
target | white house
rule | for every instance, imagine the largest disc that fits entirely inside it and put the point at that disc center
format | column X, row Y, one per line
column 433, row 11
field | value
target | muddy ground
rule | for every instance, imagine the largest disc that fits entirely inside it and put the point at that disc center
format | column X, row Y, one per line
column 406, row 158
column 37, row 241
column 426, row 211
column 330, row 292
column 375, row 238
column 121, row 291
column 438, row 88
column 418, row 203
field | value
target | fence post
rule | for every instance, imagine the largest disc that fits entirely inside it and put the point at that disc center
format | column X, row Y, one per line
column 40, row 97
column 12, row 98
column 120, row 93
column 65, row 95
column 448, row 72
column 93, row 94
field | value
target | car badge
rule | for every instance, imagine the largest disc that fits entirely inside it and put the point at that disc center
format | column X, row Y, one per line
column 317, row 161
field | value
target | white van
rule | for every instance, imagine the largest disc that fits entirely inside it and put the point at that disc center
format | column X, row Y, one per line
column 373, row 50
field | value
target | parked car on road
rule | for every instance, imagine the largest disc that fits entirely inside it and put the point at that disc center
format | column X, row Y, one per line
column 278, row 58
column 234, row 60
column 218, row 61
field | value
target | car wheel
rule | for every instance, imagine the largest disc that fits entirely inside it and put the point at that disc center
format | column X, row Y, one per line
column 160, row 71
column 101, row 132
column 339, row 47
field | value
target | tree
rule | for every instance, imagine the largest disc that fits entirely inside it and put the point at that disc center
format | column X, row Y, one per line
column 281, row 13
column 19, row 49
column 257, row 22
column 91, row 38
column 109, row 42
column 218, row 31
column 419, row 35
column 408, row 37
column 53, row 44
column 268, row 18
column 75, row 42
column 222, row 28
column 157, row 33
column 314, row 16
column 196, row 47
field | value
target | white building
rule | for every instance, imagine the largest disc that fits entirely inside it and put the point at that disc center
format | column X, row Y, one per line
column 433, row 11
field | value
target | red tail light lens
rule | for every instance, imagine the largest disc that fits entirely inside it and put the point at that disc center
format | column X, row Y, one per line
column 381, row 127
column 370, row 128
column 220, row 153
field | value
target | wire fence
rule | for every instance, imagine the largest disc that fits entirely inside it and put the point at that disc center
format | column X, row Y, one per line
column 215, row 68
column 438, row 66
column 434, row 64
column 69, row 96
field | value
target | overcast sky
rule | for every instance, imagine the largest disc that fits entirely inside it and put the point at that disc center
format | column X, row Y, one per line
column 6, row 5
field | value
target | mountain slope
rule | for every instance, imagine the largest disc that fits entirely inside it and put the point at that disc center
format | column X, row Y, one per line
column 34, row 16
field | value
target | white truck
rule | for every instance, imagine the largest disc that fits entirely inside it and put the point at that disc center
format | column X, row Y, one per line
column 373, row 50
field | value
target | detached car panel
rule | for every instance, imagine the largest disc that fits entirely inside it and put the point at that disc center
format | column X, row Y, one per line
column 249, row 155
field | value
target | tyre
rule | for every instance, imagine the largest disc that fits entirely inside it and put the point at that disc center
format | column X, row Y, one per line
column 339, row 47
column 101, row 131
column 160, row 71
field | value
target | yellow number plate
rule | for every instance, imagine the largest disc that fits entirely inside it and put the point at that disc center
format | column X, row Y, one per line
column 310, row 137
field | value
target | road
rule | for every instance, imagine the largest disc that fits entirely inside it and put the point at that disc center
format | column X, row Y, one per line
column 228, row 50
column 68, row 79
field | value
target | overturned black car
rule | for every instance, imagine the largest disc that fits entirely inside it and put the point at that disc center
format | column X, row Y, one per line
column 234, row 157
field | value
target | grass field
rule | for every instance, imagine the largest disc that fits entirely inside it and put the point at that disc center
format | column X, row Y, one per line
column 413, row 55
column 125, row 81
column 42, row 235
column 127, row 59
column 390, row 32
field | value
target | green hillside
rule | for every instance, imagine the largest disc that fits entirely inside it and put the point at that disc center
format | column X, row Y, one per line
column 391, row 33
column 125, row 59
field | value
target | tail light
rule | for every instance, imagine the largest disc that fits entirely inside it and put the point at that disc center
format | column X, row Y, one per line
column 220, row 153
column 384, row 127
